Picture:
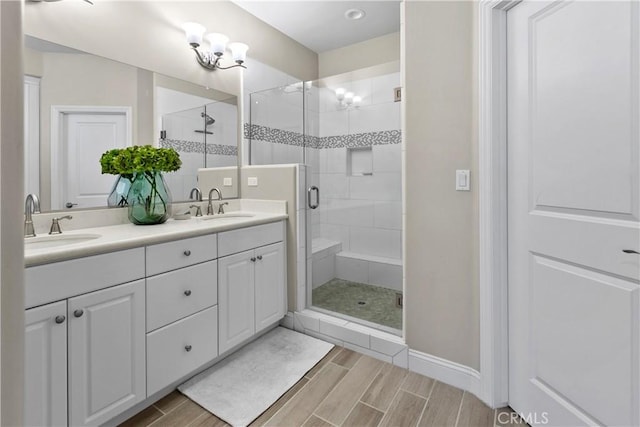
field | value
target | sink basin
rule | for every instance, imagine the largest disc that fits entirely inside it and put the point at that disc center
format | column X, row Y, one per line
column 57, row 240
column 230, row 215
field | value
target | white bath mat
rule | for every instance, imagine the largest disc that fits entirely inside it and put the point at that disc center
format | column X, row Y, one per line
column 241, row 387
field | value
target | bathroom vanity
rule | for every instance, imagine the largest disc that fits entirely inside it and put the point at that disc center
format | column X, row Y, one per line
column 114, row 321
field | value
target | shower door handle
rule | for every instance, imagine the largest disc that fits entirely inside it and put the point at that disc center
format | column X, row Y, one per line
column 313, row 188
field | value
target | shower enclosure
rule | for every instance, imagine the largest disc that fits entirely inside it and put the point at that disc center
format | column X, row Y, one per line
column 204, row 136
column 347, row 133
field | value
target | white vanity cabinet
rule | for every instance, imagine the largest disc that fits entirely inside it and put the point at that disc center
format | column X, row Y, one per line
column 107, row 332
column 106, row 353
column 85, row 353
column 46, row 365
column 182, row 312
column 251, row 285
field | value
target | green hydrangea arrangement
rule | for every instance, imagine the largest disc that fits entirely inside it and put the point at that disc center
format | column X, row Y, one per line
column 148, row 198
column 139, row 158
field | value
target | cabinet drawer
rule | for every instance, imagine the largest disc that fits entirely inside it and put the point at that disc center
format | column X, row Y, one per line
column 181, row 253
column 180, row 293
column 167, row 357
column 52, row 282
column 234, row 241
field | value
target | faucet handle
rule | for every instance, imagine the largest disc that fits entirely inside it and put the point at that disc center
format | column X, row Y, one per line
column 55, row 224
column 198, row 210
column 221, row 207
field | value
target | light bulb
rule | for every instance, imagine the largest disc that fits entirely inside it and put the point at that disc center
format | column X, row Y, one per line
column 340, row 93
column 194, row 32
column 238, row 51
column 357, row 100
column 218, row 43
column 348, row 98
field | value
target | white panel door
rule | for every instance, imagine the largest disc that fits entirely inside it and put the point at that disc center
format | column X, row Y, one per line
column 270, row 285
column 87, row 137
column 45, row 402
column 235, row 299
column 107, row 368
column 573, row 142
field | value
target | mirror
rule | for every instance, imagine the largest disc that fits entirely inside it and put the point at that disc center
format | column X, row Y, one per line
column 78, row 105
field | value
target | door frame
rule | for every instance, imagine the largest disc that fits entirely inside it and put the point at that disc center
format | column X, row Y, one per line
column 492, row 176
column 57, row 144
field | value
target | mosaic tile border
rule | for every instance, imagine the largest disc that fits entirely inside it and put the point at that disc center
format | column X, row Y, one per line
column 184, row 146
column 279, row 136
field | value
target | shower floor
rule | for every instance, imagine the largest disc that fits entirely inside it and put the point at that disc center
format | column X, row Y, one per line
column 345, row 297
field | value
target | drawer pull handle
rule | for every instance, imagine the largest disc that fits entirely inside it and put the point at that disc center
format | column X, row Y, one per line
column 253, row 259
column 259, row 257
column 187, row 292
column 187, row 252
column 187, row 347
column 60, row 319
column 630, row 251
column 78, row 313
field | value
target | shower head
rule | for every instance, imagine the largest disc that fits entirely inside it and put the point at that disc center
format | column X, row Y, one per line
column 207, row 118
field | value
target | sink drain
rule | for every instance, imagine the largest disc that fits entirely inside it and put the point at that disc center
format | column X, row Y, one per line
column 361, row 302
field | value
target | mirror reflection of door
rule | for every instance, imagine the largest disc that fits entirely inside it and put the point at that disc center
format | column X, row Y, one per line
column 84, row 136
column 31, row 135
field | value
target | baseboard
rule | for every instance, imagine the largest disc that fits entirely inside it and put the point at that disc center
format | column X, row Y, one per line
column 446, row 371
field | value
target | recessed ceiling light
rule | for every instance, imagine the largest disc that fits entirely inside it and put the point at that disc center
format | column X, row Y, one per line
column 354, row 14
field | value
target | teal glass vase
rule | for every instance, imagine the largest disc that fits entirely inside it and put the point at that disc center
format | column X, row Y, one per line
column 148, row 199
column 118, row 195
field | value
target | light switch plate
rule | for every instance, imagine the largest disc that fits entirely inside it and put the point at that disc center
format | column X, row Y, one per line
column 227, row 182
column 463, row 179
column 252, row 181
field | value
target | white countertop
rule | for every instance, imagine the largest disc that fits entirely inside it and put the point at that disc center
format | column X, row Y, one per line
column 125, row 236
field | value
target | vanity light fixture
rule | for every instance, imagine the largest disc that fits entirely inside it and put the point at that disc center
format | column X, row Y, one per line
column 218, row 43
column 347, row 99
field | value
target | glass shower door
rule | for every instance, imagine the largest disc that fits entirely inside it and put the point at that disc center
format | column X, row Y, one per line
column 354, row 188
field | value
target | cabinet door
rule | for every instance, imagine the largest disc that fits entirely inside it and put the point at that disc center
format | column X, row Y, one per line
column 269, row 285
column 235, row 299
column 45, row 401
column 106, row 353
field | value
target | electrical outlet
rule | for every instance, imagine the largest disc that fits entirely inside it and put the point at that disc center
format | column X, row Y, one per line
column 252, row 181
column 227, row 182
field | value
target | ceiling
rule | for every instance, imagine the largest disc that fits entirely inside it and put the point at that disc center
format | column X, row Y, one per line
column 321, row 25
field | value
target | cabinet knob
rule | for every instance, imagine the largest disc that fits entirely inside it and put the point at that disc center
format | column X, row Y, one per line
column 187, row 252
column 187, row 347
column 187, row 292
column 253, row 259
column 60, row 319
column 78, row 313
column 259, row 257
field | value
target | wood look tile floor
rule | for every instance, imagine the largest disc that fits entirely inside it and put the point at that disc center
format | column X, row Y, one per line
column 345, row 389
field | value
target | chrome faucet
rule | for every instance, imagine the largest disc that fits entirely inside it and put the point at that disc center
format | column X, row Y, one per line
column 55, row 224
column 198, row 194
column 31, row 205
column 198, row 209
column 210, row 210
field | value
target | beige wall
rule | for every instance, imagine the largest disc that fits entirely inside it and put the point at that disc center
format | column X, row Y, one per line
column 278, row 183
column 441, row 300
column 11, row 226
column 365, row 54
